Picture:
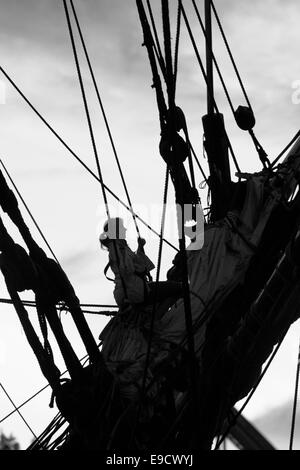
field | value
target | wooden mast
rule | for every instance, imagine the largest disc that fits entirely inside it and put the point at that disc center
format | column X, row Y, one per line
column 209, row 59
column 216, row 143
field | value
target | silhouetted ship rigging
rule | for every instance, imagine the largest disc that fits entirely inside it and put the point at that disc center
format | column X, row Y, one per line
column 168, row 374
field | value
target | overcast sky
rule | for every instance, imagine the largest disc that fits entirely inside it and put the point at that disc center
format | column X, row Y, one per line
column 35, row 51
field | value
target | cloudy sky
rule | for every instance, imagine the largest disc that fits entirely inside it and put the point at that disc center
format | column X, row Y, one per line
column 65, row 200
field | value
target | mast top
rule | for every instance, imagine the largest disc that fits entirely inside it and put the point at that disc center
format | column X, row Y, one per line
column 209, row 58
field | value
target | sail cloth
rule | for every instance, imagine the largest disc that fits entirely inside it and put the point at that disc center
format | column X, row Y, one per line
column 229, row 245
column 214, row 271
column 124, row 349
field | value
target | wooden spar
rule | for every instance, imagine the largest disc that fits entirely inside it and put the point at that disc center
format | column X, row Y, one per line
column 216, row 144
column 209, row 58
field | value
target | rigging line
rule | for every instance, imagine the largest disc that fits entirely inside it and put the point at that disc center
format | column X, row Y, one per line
column 24, row 403
column 99, row 305
column 147, row 360
column 294, row 413
column 43, row 442
column 29, row 212
column 104, row 313
column 53, row 427
column 234, row 419
column 190, row 160
column 250, row 351
column 29, row 303
column 32, row 303
column 59, row 440
column 205, row 79
column 86, row 106
column 148, row 43
column 163, row 220
column 156, row 44
column 198, row 163
column 19, row 413
column 261, row 153
column 230, row 54
column 17, row 408
column 286, row 148
column 168, row 54
column 197, row 324
column 46, row 435
column 220, row 351
column 78, row 158
column 56, row 421
column 186, row 286
column 47, row 445
column 103, row 113
column 214, row 59
column 200, row 322
column 177, row 45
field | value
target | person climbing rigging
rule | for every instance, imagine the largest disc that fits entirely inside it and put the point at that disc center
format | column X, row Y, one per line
column 132, row 270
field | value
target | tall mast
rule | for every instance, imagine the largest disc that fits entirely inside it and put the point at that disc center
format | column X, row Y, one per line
column 215, row 136
column 209, row 58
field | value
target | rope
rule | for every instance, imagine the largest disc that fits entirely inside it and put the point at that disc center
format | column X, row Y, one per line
column 149, row 43
column 186, row 287
column 91, row 128
column 230, row 54
column 19, row 413
column 52, row 130
column 168, row 55
column 147, row 360
column 219, row 352
column 205, row 79
column 213, row 58
column 48, row 433
column 163, row 218
column 286, row 148
column 32, row 303
column 148, row 37
column 233, row 421
column 261, row 153
column 190, row 160
column 198, row 163
column 86, row 107
column 29, row 212
column 44, row 331
column 104, row 115
column 104, row 313
column 177, row 44
column 44, row 438
column 294, row 413
column 156, row 44
column 175, row 78
column 36, row 394
column 97, row 305
column 17, row 408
